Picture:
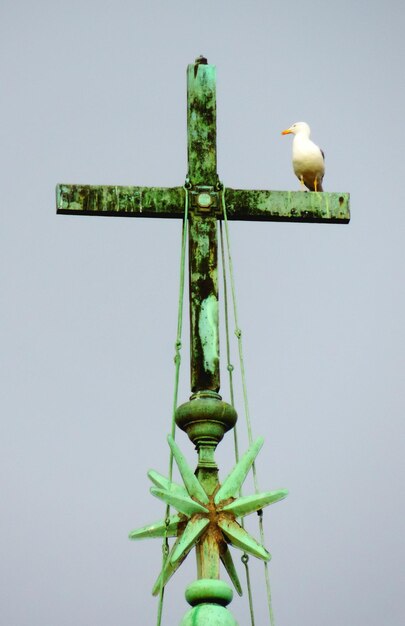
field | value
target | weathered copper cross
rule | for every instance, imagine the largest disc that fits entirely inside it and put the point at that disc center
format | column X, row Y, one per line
column 205, row 210
column 206, row 417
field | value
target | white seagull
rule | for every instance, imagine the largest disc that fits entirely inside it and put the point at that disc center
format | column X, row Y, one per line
column 308, row 159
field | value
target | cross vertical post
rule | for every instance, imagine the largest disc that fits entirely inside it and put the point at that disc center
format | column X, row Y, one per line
column 205, row 417
column 203, row 247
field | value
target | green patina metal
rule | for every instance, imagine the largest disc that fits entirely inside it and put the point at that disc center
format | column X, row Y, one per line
column 203, row 255
column 251, row 504
column 202, row 124
column 203, row 285
column 210, row 591
column 161, row 528
column 207, row 518
column 120, row 201
column 208, row 333
column 241, row 204
column 287, row 206
column 207, row 511
column 211, row 612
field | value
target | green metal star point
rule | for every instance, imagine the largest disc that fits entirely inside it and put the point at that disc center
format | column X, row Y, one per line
column 200, row 514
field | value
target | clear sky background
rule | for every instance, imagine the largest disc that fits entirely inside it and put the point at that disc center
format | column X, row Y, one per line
column 95, row 93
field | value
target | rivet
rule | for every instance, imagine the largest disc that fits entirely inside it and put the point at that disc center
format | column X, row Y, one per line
column 204, row 200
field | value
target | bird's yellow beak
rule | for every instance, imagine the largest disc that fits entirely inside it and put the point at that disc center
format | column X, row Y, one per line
column 286, row 132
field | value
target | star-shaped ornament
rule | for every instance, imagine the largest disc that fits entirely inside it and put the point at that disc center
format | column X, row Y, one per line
column 200, row 514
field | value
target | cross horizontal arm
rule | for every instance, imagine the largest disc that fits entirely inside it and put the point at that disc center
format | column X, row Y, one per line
column 241, row 204
column 287, row 206
column 120, row 201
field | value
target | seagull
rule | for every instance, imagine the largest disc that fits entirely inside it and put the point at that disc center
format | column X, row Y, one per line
column 308, row 159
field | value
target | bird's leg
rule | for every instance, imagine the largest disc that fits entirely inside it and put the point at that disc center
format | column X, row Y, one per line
column 316, row 184
column 302, row 183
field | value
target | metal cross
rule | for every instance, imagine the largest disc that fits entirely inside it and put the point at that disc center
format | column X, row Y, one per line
column 205, row 417
column 205, row 210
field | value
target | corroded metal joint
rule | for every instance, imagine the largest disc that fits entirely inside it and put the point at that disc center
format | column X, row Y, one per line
column 208, row 599
column 205, row 418
column 205, row 200
column 212, row 591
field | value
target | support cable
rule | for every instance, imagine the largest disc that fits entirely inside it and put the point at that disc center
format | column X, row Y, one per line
column 230, row 368
column 177, row 363
column 238, row 333
column 229, row 365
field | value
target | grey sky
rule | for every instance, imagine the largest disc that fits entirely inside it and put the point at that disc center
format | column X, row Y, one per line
column 95, row 92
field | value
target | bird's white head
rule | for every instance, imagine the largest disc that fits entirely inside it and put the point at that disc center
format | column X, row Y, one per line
column 300, row 128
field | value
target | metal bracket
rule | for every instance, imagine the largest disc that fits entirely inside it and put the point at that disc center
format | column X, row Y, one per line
column 205, row 200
